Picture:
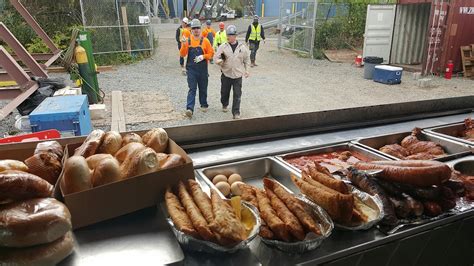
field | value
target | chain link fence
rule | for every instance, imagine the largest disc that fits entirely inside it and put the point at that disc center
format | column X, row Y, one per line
column 118, row 25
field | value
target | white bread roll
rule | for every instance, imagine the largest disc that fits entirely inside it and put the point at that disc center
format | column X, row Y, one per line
column 77, row 175
column 12, row 165
column 131, row 137
column 162, row 158
column 95, row 159
column 157, row 139
column 111, row 143
column 18, row 185
column 50, row 146
column 91, row 144
column 140, row 163
column 46, row 165
column 107, row 171
column 173, row 160
column 45, row 254
column 128, row 150
column 33, row 222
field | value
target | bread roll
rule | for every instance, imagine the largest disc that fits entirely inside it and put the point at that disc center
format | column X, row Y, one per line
column 157, row 139
column 140, row 163
column 12, row 165
column 107, row 171
column 128, row 150
column 50, row 146
column 111, row 143
column 91, row 144
column 172, row 161
column 46, row 254
column 46, row 165
column 18, row 185
column 33, row 222
column 95, row 159
column 77, row 175
column 131, row 137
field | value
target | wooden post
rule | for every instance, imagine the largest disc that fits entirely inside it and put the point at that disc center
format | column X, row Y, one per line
column 125, row 28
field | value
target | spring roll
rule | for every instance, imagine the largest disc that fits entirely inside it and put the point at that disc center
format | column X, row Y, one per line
column 248, row 194
column 326, row 180
column 228, row 229
column 277, row 226
column 178, row 214
column 202, row 200
column 194, row 213
column 292, row 223
column 294, row 205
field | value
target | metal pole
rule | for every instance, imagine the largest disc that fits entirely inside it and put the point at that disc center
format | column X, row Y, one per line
column 120, row 27
column 280, row 25
column 314, row 30
column 82, row 14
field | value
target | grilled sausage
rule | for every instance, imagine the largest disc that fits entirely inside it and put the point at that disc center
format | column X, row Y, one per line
column 432, row 208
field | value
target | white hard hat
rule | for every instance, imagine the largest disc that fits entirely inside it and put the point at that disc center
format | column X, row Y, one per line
column 186, row 20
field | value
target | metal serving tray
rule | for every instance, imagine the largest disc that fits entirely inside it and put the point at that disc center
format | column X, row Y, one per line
column 453, row 148
column 252, row 172
column 451, row 131
column 349, row 146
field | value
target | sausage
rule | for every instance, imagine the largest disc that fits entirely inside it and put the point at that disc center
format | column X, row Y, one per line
column 416, row 207
column 456, row 186
column 447, row 193
column 447, row 204
column 368, row 184
column 401, row 207
column 389, row 187
column 415, row 172
column 432, row 208
column 426, row 193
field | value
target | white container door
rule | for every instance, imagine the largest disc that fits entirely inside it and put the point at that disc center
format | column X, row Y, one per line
column 379, row 31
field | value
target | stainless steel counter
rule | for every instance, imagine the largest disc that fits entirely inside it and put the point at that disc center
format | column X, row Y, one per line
column 142, row 238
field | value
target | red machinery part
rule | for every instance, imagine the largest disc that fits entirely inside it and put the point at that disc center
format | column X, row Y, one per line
column 449, row 70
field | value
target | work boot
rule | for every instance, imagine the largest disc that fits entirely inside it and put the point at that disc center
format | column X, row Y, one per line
column 252, row 64
column 183, row 70
column 236, row 117
column 204, row 109
column 225, row 109
column 188, row 113
column 255, row 63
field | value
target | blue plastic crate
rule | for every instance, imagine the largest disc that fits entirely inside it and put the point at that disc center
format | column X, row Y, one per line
column 64, row 113
column 388, row 74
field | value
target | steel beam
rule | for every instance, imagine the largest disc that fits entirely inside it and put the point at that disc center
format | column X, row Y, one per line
column 21, row 52
column 9, row 93
column 13, row 69
column 35, row 26
column 36, row 56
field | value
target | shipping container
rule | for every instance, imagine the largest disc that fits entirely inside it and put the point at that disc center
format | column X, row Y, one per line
column 426, row 33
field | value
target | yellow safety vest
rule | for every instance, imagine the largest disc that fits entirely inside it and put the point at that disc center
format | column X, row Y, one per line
column 220, row 38
column 255, row 34
column 181, row 32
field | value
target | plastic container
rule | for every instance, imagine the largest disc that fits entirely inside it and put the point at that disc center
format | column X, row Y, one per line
column 369, row 65
column 388, row 74
column 64, row 113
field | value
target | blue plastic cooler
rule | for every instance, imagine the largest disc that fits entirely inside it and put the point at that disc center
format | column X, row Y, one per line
column 388, row 74
column 64, row 113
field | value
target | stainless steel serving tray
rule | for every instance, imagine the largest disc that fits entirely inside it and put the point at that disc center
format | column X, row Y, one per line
column 252, row 172
column 336, row 147
column 451, row 131
column 453, row 148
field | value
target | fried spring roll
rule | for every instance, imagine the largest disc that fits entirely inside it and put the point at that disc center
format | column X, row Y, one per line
column 178, row 214
column 202, row 200
column 292, row 223
column 227, row 227
column 248, row 194
column 194, row 213
column 266, row 232
column 268, row 214
column 294, row 205
column 327, row 180
column 338, row 205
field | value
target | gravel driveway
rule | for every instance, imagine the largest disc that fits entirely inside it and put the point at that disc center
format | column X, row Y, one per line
column 283, row 83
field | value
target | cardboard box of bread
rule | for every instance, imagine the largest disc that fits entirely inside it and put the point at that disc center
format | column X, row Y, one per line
column 112, row 174
column 35, row 229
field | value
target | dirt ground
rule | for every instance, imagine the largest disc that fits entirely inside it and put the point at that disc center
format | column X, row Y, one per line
column 154, row 90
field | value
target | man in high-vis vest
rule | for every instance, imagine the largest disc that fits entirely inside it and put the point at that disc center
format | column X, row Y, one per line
column 221, row 36
column 199, row 51
column 182, row 32
column 254, row 35
column 209, row 33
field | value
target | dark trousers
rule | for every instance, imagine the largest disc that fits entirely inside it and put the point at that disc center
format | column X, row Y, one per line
column 181, row 59
column 228, row 84
column 253, row 45
column 197, row 79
